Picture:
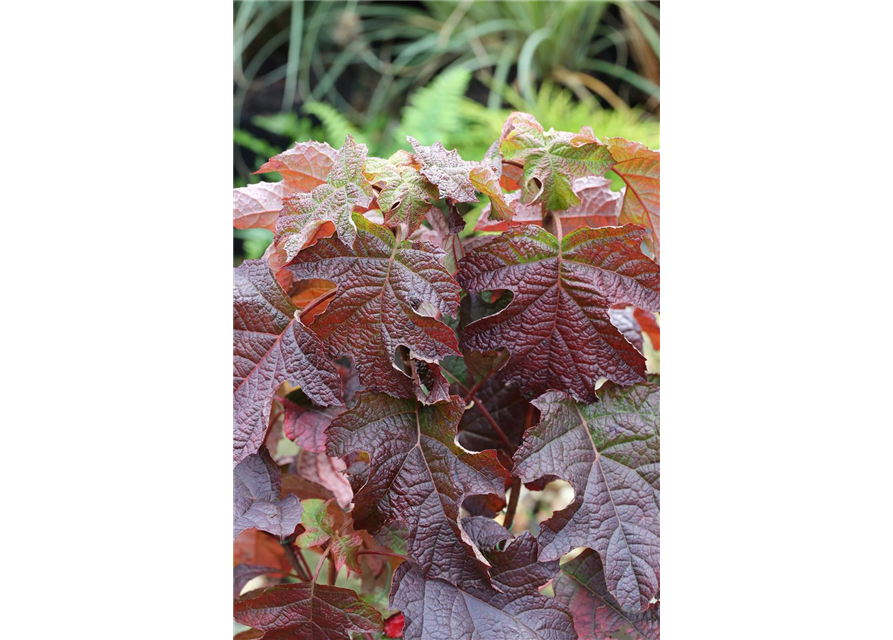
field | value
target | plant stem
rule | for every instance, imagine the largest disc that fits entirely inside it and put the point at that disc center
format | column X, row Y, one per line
column 325, row 555
column 370, row 552
column 489, row 418
column 513, row 504
column 333, row 571
column 315, row 303
column 295, row 563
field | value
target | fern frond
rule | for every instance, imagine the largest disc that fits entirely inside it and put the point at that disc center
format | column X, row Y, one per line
column 336, row 126
column 433, row 111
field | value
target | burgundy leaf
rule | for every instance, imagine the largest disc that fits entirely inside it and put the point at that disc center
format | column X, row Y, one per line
column 303, row 167
column 326, row 472
column 557, row 328
column 306, row 611
column 270, row 347
column 257, row 205
column 438, row 610
column 597, row 615
column 256, row 505
column 496, row 402
column 256, row 547
column 625, row 320
column 514, row 565
column 381, row 285
column 305, row 423
column 446, row 170
column 609, row 452
column 245, row 573
column 417, row 475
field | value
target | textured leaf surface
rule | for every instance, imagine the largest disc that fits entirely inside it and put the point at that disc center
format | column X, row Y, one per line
column 330, row 203
column 406, row 195
column 437, row 610
column 597, row 615
column 557, row 328
column 599, row 205
column 551, row 160
column 381, row 284
column 639, row 167
column 326, row 472
column 306, row 611
column 321, row 523
column 486, row 181
column 417, row 475
column 245, row 573
column 258, row 205
column 305, row 166
column 305, row 423
column 609, row 452
column 446, row 170
column 270, row 347
column 256, row 504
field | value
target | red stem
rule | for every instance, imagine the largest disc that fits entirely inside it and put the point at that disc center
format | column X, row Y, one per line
column 370, row 552
column 489, row 418
column 295, row 563
column 513, row 504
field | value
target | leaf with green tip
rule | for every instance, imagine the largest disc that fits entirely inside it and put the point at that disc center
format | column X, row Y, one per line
column 333, row 202
column 609, row 452
column 552, row 159
column 406, row 195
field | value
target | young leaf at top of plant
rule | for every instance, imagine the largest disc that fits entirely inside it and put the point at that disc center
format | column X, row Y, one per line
column 445, row 169
column 256, row 504
column 257, row 206
column 307, row 611
column 417, row 475
column 381, row 285
column 303, row 167
column 406, row 195
column 597, row 615
column 639, row 167
column 552, row 159
column 332, row 202
column 609, row 452
column 557, row 328
column 271, row 346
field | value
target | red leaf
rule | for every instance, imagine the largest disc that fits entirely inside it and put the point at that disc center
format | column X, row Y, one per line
column 416, row 474
column 306, row 611
column 270, row 347
column 303, row 167
column 639, row 167
column 257, row 205
column 597, row 615
column 610, row 454
column 393, row 626
column 382, row 287
column 255, row 547
column 557, row 328
column 256, row 498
